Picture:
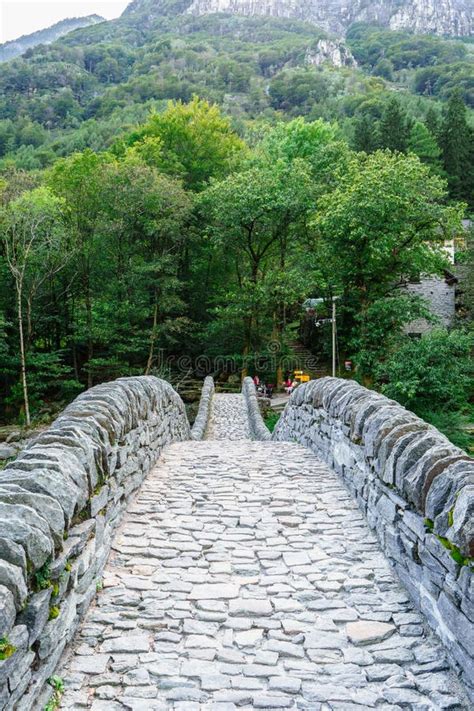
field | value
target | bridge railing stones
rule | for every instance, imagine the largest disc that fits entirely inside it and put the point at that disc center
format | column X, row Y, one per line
column 201, row 422
column 416, row 489
column 60, row 502
column 258, row 428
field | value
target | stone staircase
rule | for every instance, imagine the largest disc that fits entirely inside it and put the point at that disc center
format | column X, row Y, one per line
column 305, row 360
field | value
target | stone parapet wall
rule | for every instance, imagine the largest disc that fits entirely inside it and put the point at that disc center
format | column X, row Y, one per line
column 416, row 489
column 258, row 428
column 60, row 502
column 201, row 422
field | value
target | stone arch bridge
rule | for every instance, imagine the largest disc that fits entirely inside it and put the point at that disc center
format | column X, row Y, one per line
column 145, row 565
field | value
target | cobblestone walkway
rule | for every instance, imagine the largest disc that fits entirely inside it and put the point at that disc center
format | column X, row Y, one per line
column 228, row 418
column 245, row 577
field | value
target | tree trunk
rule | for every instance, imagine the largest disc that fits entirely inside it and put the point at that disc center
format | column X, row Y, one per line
column 23, row 356
column 249, row 323
column 70, row 328
column 29, row 324
column 90, row 343
column 74, row 358
column 277, row 340
column 152, row 338
column 247, row 346
column 90, row 340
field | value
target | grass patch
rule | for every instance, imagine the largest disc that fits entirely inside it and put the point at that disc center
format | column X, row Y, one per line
column 58, row 690
column 271, row 419
column 6, row 648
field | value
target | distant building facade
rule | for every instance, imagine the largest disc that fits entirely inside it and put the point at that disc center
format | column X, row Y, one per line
column 441, row 296
column 439, row 293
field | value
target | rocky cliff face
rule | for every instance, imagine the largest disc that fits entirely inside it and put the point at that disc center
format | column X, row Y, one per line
column 332, row 52
column 442, row 17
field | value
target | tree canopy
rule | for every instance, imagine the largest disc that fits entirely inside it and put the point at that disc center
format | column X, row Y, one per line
column 194, row 197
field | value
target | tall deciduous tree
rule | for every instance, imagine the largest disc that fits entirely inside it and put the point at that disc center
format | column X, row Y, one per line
column 193, row 141
column 318, row 143
column 253, row 215
column 145, row 230
column 79, row 180
column 384, row 223
column 34, row 242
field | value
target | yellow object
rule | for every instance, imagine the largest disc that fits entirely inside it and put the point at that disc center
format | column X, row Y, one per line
column 301, row 377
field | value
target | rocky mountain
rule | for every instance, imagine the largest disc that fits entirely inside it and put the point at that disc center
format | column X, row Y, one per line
column 332, row 52
column 15, row 48
column 451, row 18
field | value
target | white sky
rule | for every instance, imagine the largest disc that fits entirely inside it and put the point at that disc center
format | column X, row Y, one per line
column 21, row 17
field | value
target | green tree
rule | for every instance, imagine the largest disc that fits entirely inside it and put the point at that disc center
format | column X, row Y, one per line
column 195, row 142
column 254, row 216
column 145, row 225
column 393, row 127
column 433, row 377
column 432, row 121
column 384, row 69
column 318, row 143
column 422, row 143
column 79, row 180
column 383, row 223
column 457, row 144
column 365, row 138
column 34, row 242
column 378, row 330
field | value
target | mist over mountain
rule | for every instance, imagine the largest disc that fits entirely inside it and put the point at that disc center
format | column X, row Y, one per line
column 453, row 18
column 17, row 47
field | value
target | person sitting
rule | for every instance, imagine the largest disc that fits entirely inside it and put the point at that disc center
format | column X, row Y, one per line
column 294, row 384
column 256, row 380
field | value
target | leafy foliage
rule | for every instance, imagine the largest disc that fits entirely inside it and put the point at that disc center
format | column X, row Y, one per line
column 197, row 179
column 430, row 373
column 433, row 377
column 57, row 684
column 6, row 648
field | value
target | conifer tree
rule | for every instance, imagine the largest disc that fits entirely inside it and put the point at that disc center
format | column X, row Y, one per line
column 457, row 145
column 423, row 144
column 393, row 127
column 432, row 121
column 364, row 135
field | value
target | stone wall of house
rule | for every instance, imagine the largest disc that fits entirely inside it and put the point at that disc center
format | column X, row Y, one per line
column 416, row 489
column 60, row 502
column 441, row 299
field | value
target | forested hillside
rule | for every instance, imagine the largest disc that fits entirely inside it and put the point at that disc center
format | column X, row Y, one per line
column 89, row 87
column 172, row 188
column 14, row 48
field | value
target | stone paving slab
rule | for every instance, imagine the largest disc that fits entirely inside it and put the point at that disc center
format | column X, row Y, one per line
column 228, row 420
column 245, row 577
